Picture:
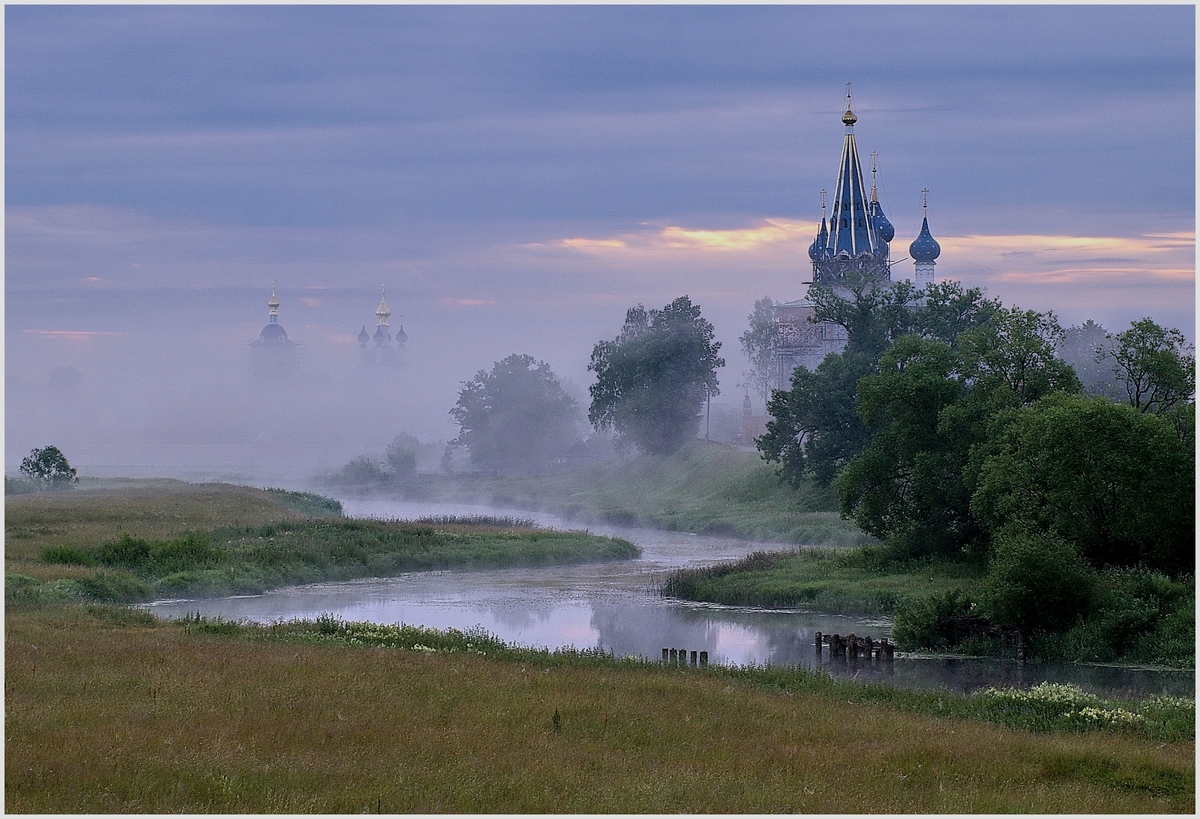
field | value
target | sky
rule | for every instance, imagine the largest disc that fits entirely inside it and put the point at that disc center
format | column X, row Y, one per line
column 518, row 177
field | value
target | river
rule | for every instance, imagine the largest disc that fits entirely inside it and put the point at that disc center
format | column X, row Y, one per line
column 615, row 606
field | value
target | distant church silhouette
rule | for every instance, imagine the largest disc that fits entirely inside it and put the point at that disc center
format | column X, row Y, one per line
column 381, row 353
column 852, row 247
column 273, row 355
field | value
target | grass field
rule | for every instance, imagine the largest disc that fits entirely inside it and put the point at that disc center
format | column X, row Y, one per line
column 706, row 487
column 108, row 711
column 134, row 543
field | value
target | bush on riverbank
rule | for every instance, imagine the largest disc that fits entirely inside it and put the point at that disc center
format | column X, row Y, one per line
column 846, row 581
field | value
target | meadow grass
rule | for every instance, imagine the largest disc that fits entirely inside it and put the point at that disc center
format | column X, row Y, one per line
column 100, row 510
column 296, row 538
column 109, row 710
column 705, row 487
column 839, row 581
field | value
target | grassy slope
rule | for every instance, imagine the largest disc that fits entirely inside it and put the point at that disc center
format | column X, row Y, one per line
column 67, row 544
column 706, row 487
column 167, row 718
column 101, row 510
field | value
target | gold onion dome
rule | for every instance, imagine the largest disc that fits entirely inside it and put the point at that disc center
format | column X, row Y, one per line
column 382, row 310
column 848, row 118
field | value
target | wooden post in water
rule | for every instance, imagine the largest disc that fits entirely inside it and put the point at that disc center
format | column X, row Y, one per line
column 852, row 644
column 817, row 644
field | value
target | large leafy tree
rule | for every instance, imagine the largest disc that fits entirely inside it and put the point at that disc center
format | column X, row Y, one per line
column 48, row 468
column 759, row 344
column 516, row 418
column 928, row 407
column 1114, row 483
column 653, row 378
column 815, row 427
column 1156, row 366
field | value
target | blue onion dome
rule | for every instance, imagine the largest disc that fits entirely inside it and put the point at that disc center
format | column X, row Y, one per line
column 883, row 228
column 924, row 248
column 363, row 337
column 401, row 336
column 382, row 336
column 273, row 334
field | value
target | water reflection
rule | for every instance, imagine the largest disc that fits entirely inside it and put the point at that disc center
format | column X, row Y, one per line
column 614, row 606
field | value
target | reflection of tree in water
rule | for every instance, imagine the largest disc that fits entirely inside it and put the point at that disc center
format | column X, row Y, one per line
column 780, row 638
column 523, row 615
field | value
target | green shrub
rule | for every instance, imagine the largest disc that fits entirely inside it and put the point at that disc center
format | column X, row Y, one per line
column 922, row 623
column 1139, row 615
column 69, row 555
column 1037, row 583
column 108, row 587
column 127, row 551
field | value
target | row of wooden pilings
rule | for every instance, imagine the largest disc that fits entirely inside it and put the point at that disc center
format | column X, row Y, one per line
column 679, row 656
column 852, row 647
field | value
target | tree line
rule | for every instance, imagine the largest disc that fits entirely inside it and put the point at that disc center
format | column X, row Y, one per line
column 953, row 429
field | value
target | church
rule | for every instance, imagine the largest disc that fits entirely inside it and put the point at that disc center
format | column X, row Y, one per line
column 381, row 353
column 273, row 355
column 852, row 243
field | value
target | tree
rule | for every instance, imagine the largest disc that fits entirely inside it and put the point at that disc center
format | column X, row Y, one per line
column 1157, row 367
column 1037, row 583
column 48, row 468
column 361, row 472
column 759, row 343
column 516, row 418
column 1084, row 347
column 401, row 454
column 815, row 428
column 653, row 379
column 1115, row 484
column 928, row 408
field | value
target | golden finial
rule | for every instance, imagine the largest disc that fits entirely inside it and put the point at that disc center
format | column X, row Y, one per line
column 274, row 302
column 382, row 311
column 924, row 201
column 874, row 195
column 848, row 118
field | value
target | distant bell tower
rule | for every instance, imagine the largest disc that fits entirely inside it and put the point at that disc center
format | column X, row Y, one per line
column 273, row 355
column 382, row 353
column 854, row 240
column 852, row 250
column 924, row 249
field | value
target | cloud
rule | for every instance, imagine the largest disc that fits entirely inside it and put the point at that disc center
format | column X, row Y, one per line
column 71, row 335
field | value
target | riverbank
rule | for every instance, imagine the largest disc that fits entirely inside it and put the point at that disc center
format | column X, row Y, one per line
column 332, row 717
column 842, row 581
column 138, row 541
column 1140, row 618
column 706, row 488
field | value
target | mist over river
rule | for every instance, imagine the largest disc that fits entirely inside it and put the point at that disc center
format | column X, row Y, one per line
column 615, row 606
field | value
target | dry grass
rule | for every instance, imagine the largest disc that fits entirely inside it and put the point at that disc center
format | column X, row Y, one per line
column 150, row 509
column 127, row 715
